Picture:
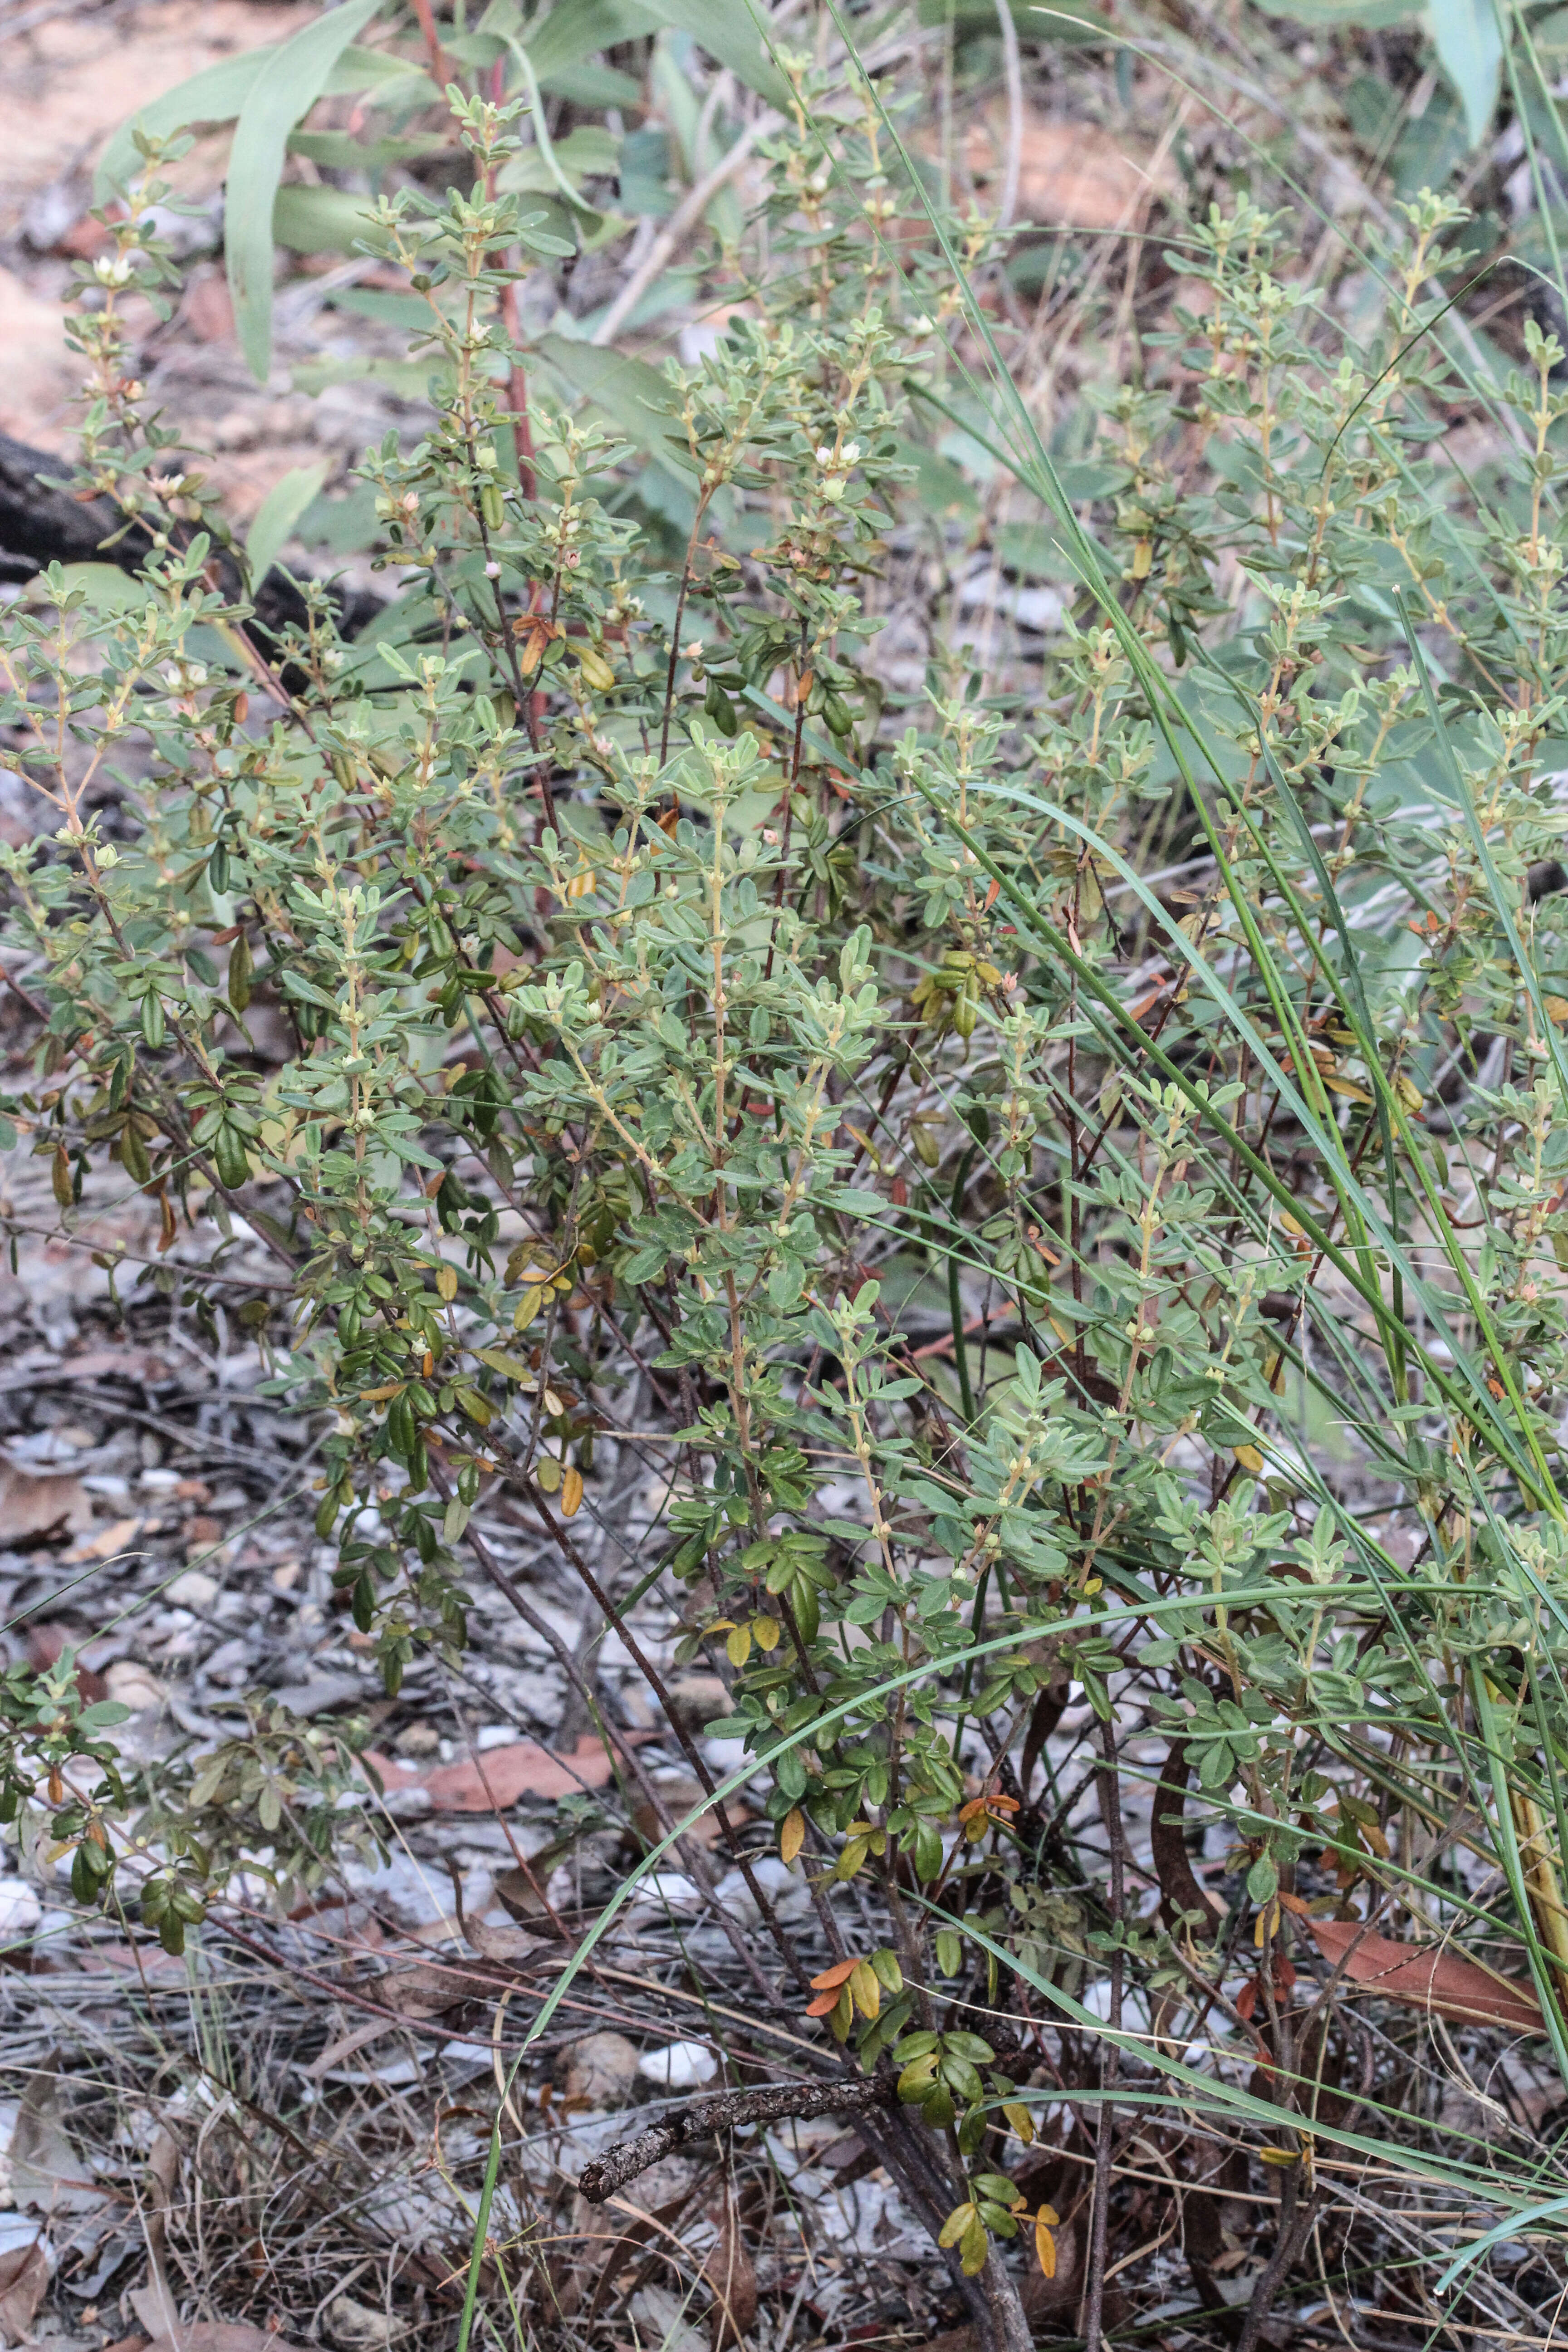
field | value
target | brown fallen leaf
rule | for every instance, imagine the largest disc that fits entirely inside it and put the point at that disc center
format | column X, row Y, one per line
column 108, row 1543
column 24, row 2276
column 1426, row 1976
column 681, row 1793
column 428, row 1989
column 40, row 1507
column 48, row 1643
column 75, row 1957
column 731, row 2275
column 221, row 2335
column 500, row 1775
column 1071, row 175
column 49, row 2173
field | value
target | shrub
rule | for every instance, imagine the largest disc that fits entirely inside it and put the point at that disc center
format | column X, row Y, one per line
column 1061, row 1164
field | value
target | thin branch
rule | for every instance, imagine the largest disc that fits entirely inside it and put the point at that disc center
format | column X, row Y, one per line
column 611, row 2171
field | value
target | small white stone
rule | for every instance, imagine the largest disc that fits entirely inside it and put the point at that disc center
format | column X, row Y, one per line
column 193, row 1590
column 134, row 1686
column 669, row 1890
column 20, row 1909
column 679, row 2065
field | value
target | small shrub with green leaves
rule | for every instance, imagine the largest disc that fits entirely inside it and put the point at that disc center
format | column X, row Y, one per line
column 1102, row 1113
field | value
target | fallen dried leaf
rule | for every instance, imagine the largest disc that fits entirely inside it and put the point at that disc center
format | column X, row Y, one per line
column 41, row 1506
column 426, row 1988
column 24, row 2276
column 45, row 1646
column 48, row 2173
column 117, row 1538
column 1071, row 175
column 221, row 2335
column 1426, row 1976
column 500, row 1775
column 730, row 2274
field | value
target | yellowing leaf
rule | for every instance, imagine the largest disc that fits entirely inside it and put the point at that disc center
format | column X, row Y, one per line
column 865, row 1992
column 1284, row 2156
column 765, row 1632
column 738, row 1645
column 1045, row 2244
column 570, row 1493
column 1023, row 2122
column 957, row 2221
column 1410, row 1094
column 792, row 1834
column 1346, row 1087
column 1249, row 1458
column 528, row 1306
column 446, row 1283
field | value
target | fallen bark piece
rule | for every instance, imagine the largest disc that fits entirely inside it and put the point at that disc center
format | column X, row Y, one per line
column 1426, row 1976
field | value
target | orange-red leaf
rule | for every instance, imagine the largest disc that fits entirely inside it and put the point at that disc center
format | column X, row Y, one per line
column 1426, row 1976
column 824, row 2005
column 833, row 1976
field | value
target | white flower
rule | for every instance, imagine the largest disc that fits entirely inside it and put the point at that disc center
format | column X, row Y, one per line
column 825, row 455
